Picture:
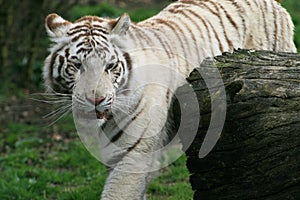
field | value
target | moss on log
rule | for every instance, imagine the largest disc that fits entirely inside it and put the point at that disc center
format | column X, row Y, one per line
column 258, row 153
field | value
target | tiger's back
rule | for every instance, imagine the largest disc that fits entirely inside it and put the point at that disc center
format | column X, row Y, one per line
column 198, row 29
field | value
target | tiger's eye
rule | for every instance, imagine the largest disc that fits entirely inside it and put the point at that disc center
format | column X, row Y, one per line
column 110, row 66
column 77, row 65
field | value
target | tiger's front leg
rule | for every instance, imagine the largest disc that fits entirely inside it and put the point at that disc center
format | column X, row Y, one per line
column 123, row 185
column 130, row 177
column 133, row 148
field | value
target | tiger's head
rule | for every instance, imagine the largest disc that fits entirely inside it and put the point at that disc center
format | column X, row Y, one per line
column 88, row 52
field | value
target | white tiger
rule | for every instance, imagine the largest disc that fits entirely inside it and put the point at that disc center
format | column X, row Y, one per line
column 124, row 60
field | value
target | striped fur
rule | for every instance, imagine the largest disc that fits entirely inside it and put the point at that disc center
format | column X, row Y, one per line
column 163, row 49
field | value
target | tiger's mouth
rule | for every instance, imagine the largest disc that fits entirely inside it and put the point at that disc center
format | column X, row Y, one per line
column 106, row 114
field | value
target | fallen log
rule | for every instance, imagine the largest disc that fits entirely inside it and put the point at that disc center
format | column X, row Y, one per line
column 258, row 153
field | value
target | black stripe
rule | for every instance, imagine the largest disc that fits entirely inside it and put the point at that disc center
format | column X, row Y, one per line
column 121, row 131
column 125, row 80
column 86, row 27
column 264, row 25
column 162, row 42
column 240, row 9
column 69, row 70
column 275, row 33
column 101, row 35
column 140, row 138
column 206, row 26
column 126, row 83
column 141, row 38
column 230, row 19
column 168, row 95
column 145, row 36
column 74, row 39
column 221, row 48
column 61, row 60
column 67, row 52
column 170, row 25
column 189, row 29
column 229, row 42
column 77, row 29
column 84, row 50
column 248, row 3
column 81, row 44
column 51, row 65
column 104, row 44
column 116, row 137
column 128, row 61
column 135, row 144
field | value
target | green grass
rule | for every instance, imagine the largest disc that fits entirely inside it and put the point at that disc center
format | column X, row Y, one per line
column 173, row 183
column 38, row 162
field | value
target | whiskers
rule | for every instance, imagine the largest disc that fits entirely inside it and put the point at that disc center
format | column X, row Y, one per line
column 121, row 106
column 125, row 104
column 62, row 104
column 81, row 104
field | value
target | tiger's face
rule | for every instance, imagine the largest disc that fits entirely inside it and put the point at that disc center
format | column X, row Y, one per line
column 86, row 62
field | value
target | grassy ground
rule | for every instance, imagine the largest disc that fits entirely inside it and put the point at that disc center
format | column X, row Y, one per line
column 41, row 162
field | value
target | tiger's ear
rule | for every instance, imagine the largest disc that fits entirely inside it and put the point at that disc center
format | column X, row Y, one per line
column 122, row 24
column 56, row 26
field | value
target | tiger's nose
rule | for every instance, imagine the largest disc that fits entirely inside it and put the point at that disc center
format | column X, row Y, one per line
column 96, row 101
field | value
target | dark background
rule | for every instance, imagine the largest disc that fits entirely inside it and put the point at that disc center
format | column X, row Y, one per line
column 24, row 43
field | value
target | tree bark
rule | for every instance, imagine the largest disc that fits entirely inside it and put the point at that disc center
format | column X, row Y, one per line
column 258, row 153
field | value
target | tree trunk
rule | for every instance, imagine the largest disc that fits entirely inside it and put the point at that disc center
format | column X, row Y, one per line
column 258, row 153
